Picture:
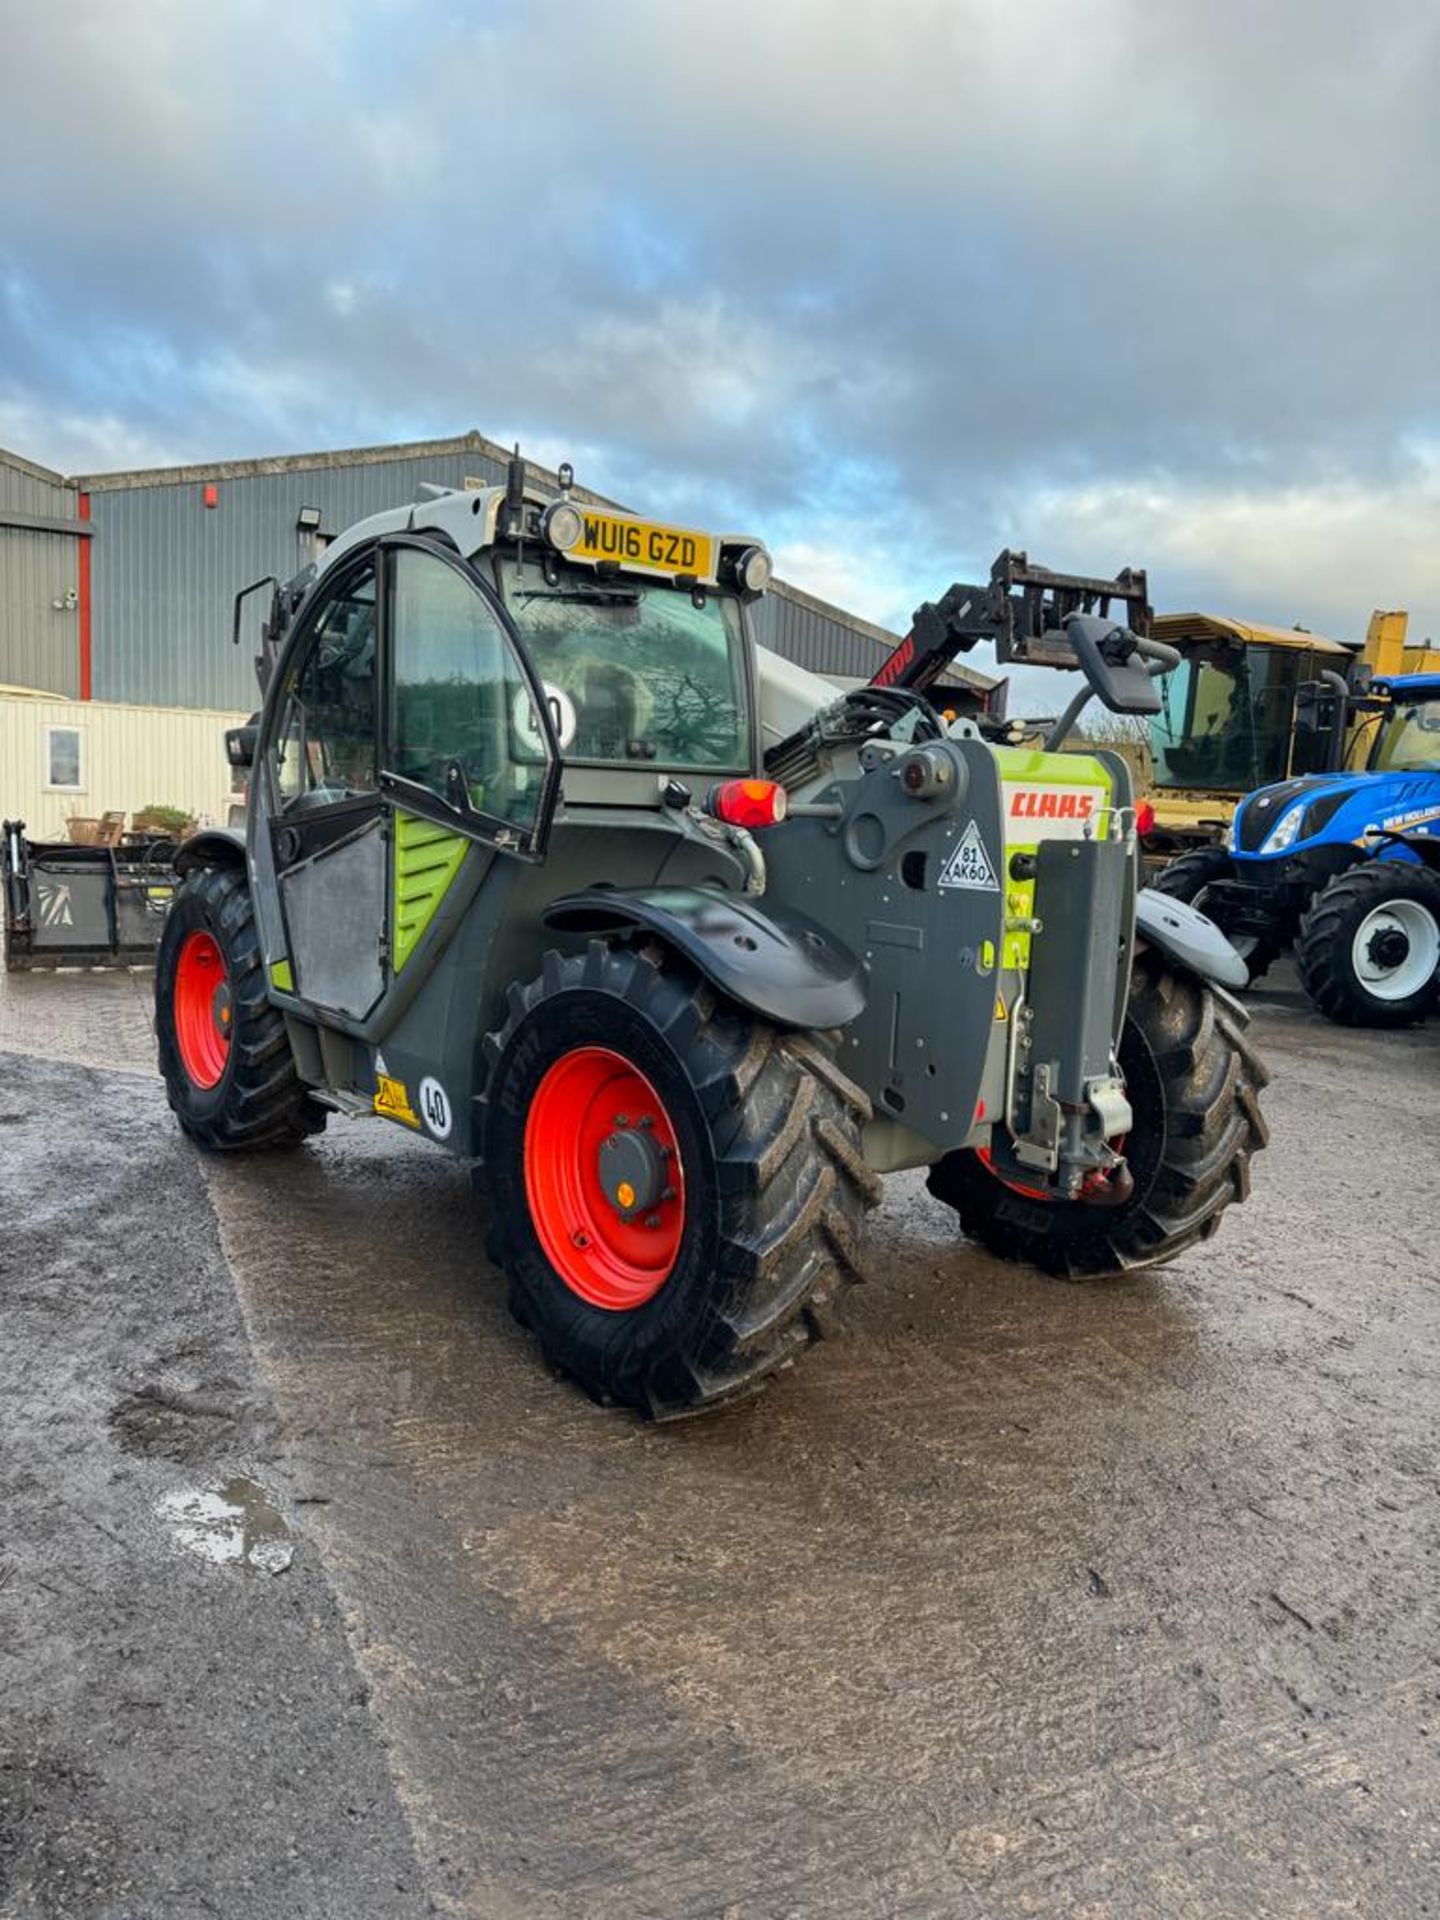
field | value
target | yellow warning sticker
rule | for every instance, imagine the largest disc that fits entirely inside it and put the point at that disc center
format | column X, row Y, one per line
column 392, row 1101
column 1000, row 1012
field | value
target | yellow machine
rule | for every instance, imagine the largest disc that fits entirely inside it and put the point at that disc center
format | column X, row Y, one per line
column 1232, row 719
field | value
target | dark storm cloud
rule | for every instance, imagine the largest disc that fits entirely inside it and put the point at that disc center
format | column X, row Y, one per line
column 1126, row 282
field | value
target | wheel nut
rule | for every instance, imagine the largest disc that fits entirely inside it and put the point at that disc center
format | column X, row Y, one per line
column 581, row 1240
column 652, row 1219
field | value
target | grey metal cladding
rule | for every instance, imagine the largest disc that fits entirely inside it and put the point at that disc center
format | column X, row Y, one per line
column 166, row 567
column 39, row 622
column 30, row 489
column 799, row 631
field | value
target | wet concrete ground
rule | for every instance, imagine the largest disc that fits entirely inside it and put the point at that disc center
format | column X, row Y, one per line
column 1022, row 1598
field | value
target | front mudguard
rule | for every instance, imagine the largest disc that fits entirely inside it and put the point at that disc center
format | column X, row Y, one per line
column 774, row 961
column 1183, row 934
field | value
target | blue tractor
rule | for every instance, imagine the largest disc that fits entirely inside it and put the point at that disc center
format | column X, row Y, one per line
column 1343, row 866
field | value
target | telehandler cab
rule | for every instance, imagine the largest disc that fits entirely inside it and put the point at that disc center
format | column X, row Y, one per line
column 681, row 949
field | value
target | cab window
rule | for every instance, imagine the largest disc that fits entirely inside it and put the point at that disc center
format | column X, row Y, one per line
column 462, row 708
column 636, row 672
column 1409, row 739
column 325, row 749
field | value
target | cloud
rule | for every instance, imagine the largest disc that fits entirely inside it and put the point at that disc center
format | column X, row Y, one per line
column 899, row 286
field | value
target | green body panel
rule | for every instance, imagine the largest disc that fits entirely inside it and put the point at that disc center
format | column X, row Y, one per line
column 427, row 859
column 1029, row 770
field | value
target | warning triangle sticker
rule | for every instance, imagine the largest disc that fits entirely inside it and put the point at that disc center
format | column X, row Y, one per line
column 969, row 865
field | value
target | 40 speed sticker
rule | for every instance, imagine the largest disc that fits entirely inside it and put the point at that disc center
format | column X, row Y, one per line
column 435, row 1109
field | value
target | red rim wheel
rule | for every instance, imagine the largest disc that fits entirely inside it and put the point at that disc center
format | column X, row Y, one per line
column 203, row 1011
column 603, row 1179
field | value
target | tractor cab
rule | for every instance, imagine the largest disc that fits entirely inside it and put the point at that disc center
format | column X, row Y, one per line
column 450, row 656
column 1408, row 737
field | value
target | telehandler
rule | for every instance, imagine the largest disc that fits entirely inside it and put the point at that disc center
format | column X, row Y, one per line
column 681, row 952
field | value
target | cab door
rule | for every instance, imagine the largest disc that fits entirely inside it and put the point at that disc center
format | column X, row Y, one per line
column 411, row 725
column 327, row 824
column 469, row 749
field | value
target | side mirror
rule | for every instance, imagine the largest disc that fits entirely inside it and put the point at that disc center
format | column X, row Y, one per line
column 241, row 743
column 1113, row 661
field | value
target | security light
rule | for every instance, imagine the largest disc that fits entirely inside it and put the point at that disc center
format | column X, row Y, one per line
column 308, row 520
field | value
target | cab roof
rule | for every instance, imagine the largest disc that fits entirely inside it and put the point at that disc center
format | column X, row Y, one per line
column 1407, row 683
column 1173, row 627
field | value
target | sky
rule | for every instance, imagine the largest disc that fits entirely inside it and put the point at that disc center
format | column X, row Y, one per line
column 1143, row 282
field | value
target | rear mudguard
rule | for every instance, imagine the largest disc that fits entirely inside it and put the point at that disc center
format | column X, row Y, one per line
column 214, row 847
column 1185, row 936
column 776, row 962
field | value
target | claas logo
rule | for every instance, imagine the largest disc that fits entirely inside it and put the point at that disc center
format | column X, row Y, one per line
column 1049, row 803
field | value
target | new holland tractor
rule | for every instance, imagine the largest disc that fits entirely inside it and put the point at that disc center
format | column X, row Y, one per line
column 1343, row 866
column 681, row 949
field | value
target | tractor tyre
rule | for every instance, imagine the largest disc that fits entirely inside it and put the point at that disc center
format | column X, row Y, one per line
column 1193, row 1081
column 1369, row 945
column 224, row 1053
column 677, row 1187
column 1187, row 879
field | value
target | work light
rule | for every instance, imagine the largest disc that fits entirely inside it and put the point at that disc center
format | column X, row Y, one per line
column 562, row 526
column 753, row 570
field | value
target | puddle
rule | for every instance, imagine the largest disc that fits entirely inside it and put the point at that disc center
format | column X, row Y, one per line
column 230, row 1522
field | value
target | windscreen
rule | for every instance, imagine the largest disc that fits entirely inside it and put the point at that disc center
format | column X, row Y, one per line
column 1227, row 718
column 1409, row 739
column 636, row 673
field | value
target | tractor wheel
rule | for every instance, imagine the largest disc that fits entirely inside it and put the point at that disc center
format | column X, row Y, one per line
column 224, row 1052
column 677, row 1187
column 1193, row 1081
column 1370, row 945
column 1188, row 878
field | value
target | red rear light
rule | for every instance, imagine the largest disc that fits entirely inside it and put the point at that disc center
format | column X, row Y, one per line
column 1144, row 818
column 747, row 803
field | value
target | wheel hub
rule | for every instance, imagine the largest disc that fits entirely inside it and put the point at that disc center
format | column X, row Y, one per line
column 1396, row 949
column 631, row 1166
column 203, row 1009
column 603, row 1178
column 1389, row 948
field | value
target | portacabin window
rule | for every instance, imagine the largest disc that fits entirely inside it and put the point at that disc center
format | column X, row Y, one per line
column 65, row 759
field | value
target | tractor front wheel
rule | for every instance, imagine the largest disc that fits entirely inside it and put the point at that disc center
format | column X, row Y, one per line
column 676, row 1186
column 1189, row 877
column 224, row 1053
column 1193, row 1081
column 1369, row 946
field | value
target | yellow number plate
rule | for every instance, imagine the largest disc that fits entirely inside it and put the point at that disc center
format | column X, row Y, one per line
column 644, row 546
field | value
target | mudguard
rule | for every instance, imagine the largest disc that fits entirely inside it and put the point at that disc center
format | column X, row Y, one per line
column 212, row 847
column 1422, row 848
column 776, row 962
column 1182, row 932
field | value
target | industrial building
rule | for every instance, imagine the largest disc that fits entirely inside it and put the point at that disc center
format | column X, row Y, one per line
column 116, row 592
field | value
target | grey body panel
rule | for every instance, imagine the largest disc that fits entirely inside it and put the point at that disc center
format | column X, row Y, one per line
column 335, row 908
column 1183, row 932
column 877, row 877
column 1079, row 902
column 777, row 962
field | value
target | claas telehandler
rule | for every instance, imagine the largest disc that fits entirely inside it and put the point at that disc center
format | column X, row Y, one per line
column 681, row 949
